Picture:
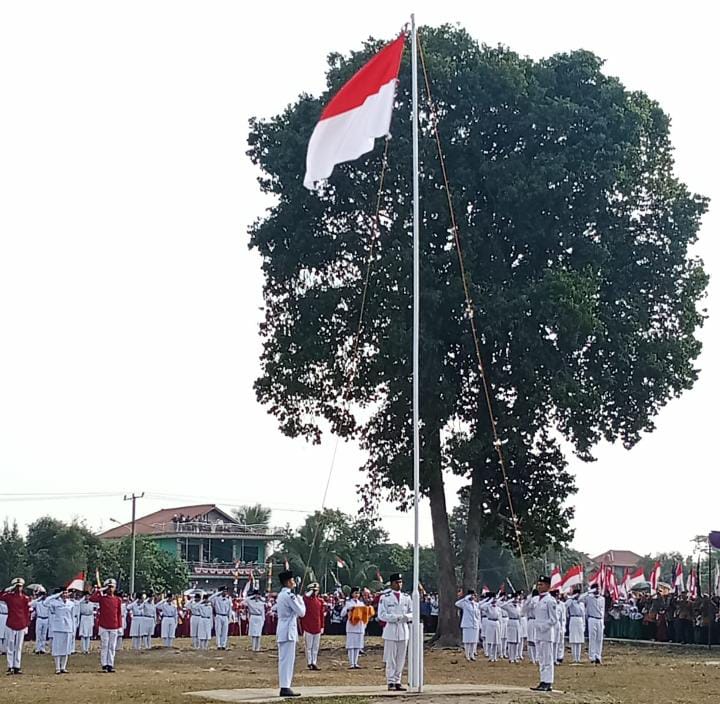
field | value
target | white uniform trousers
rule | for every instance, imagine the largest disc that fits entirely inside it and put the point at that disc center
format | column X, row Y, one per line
column 286, row 663
column 546, row 660
column 41, row 633
column 168, row 626
column 395, row 653
column 312, row 647
column 108, row 646
column 13, row 643
column 222, row 623
column 595, row 638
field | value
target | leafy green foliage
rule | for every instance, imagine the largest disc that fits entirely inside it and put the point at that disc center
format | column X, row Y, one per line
column 253, row 515
column 13, row 555
column 155, row 569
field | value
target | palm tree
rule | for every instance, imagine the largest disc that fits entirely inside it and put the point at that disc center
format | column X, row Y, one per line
column 257, row 516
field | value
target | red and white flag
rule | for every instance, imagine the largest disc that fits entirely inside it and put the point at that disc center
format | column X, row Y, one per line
column 556, row 579
column 77, row 583
column 637, row 577
column 655, row 577
column 358, row 114
column 692, row 585
column 573, row 578
column 611, row 583
column 623, row 586
column 717, row 578
column 679, row 579
column 340, row 562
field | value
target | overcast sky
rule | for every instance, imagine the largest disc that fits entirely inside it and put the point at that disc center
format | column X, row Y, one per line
column 129, row 302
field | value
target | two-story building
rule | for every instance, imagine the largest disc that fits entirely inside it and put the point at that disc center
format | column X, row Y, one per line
column 217, row 548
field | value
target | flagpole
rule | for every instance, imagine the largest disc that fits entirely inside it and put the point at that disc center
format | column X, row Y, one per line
column 416, row 644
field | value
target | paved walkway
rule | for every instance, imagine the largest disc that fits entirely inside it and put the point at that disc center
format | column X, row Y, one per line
column 430, row 691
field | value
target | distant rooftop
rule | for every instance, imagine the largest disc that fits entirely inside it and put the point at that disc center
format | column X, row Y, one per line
column 618, row 558
column 198, row 519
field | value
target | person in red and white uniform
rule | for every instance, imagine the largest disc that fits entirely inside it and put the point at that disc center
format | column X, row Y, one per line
column 313, row 623
column 18, row 620
column 110, row 622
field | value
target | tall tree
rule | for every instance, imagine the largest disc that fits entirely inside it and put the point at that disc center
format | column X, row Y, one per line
column 255, row 515
column 56, row 551
column 13, row 556
column 575, row 236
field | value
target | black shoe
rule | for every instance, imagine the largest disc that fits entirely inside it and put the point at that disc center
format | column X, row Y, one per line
column 110, row 669
column 287, row 692
column 10, row 671
column 391, row 687
column 104, row 668
column 400, row 688
column 316, row 668
column 17, row 671
column 542, row 687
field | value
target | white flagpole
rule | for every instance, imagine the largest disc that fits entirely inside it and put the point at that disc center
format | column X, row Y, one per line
column 416, row 640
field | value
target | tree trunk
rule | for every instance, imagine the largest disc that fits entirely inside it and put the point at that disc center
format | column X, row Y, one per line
column 471, row 548
column 448, row 632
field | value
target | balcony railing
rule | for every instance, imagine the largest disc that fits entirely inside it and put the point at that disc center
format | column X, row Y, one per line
column 226, row 569
column 217, row 527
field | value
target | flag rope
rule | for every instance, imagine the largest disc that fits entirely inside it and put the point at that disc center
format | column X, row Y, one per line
column 351, row 370
column 470, row 309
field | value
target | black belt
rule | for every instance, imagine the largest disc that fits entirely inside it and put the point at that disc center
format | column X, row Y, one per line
column 513, row 618
column 597, row 618
column 42, row 618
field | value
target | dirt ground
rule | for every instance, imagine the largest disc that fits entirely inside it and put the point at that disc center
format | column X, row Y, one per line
column 630, row 675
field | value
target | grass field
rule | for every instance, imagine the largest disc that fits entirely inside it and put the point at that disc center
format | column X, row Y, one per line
column 630, row 675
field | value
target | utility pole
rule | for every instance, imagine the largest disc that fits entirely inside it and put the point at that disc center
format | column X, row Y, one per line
column 132, row 498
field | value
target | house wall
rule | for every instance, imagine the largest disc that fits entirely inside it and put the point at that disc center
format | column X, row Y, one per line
column 214, row 549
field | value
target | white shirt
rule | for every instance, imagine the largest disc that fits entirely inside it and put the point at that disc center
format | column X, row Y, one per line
column 395, row 609
column 470, row 612
column 545, row 618
column 222, row 605
column 289, row 608
column 62, row 614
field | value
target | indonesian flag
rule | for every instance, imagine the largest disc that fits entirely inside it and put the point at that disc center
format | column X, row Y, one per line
column 485, row 590
column 341, row 564
column 717, row 579
column 679, row 579
column 692, row 585
column 573, row 578
column 358, row 114
column 77, row 583
column 623, row 586
column 637, row 577
column 379, row 576
column 286, row 565
column 611, row 583
column 556, row 579
column 655, row 577
column 598, row 578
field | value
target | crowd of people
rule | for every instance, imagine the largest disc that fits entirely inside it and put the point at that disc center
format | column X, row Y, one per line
column 502, row 625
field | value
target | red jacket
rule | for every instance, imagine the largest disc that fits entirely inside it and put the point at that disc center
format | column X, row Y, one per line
column 110, row 615
column 314, row 619
column 18, row 610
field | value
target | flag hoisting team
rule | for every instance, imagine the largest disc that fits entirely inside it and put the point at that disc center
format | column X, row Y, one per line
column 500, row 623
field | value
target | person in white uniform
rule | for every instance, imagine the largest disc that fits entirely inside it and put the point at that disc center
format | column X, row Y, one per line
column 289, row 607
column 61, row 610
column 193, row 608
column 41, row 621
column 492, row 627
column 137, row 624
column 205, row 622
column 256, row 619
column 469, row 623
column 86, row 625
column 395, row 610
column 576, row 625
column 222, row 607
column 168, row 612
column 545, row 623
column 149, row 619
column 595, row 612
column 560, row 629
column 514, row 635
column 529, row 613
column 354, row 628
